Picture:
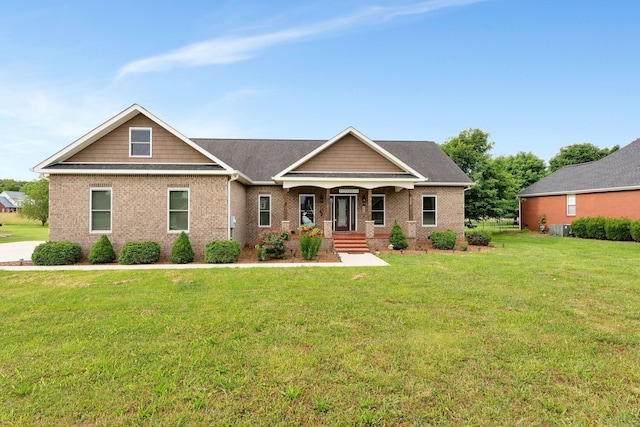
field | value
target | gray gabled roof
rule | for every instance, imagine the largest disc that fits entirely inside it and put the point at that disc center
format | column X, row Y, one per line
column 618, row 171
column 261, row 159
column 6, row 203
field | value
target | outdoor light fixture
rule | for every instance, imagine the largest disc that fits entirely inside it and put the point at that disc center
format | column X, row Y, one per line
column 321, row 198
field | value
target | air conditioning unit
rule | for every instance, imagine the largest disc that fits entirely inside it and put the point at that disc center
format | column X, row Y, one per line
column 561, row 230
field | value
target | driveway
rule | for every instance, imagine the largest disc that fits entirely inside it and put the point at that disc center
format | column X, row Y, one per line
column 16, row 251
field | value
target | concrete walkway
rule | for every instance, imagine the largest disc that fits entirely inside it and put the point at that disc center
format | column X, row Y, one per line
column 23, row 250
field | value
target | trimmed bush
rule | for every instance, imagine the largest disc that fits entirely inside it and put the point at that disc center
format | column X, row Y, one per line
column 617, row 229
column 102, row 251
column 579, row 227
column 272, row 243
column 443, row 239
column 56, row 253
column 397, row 237
column 478, row 237
column 139, row 253
column 182, row 252
column 595, row 228
column 222, row 252
column 634, row 229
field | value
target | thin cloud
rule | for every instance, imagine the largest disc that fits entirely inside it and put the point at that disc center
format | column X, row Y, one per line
column 227, row 50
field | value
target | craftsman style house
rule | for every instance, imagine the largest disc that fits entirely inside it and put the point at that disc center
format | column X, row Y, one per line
column 609, row 187
column 136, row 178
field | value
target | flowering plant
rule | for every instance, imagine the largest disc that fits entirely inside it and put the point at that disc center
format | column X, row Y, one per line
column 310, row 241
column 273, row 243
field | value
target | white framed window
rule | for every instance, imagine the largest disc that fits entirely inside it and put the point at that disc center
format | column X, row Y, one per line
column 307, row 209
column 264, row 210
column 140, row 140
column 571, row 205
column 100, row 210
column 178, row 210
column 377, row 209
column 429, row 211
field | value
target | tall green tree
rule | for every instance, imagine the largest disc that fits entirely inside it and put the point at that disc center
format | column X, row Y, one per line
column 36, row 204
column 525, row 169
column 11, row 185
column 470, row 150
column 579, row 153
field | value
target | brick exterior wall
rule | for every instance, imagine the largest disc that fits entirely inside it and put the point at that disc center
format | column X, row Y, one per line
column 614, row 204
column 450, row 209
column 139, row 209
column 239, row 210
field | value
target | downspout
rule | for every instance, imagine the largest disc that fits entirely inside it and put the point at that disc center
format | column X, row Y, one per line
column 232, row 177
column 520, row 213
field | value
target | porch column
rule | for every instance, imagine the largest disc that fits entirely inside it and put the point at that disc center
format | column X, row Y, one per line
column 411, row 209
column 369, row 229
column 285, row 205
column 411, row 229
column 285, row 225
column 328, row 232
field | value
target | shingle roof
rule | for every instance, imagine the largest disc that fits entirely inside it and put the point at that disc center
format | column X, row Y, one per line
column 16, row 195
column 618, row 171
column 261, row 159
column 6, row 203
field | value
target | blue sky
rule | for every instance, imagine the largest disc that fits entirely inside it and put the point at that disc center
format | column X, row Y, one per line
column 536, row 74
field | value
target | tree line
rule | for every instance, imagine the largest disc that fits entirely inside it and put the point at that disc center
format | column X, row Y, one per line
column 36, row 204
column 499, row 179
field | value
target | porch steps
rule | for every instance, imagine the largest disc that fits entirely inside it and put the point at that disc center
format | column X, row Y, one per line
column 353, row 243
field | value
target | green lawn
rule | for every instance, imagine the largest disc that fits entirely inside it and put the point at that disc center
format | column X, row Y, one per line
column 17, row 229
column 545, row 331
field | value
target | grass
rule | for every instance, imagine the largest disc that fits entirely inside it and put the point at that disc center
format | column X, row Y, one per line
column 541, row 332
column 17, row 229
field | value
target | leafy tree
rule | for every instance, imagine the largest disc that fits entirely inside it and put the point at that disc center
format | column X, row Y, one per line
column 494, row 188
column 525, row 169
column 579, row 153
column 469, row 149
column 11, row 185
column 36, row 204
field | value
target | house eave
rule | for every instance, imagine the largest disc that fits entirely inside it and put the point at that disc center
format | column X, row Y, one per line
column 368, row 183
column 586, row 191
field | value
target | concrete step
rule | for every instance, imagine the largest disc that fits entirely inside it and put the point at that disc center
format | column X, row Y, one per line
column 350, row 243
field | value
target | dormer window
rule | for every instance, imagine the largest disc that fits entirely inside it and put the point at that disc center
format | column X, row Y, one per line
column 139, row 142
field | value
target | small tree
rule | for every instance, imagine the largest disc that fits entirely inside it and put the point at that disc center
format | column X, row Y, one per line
column 397, row 237
column 102, row 251
column 36, row 204
column 182, row 252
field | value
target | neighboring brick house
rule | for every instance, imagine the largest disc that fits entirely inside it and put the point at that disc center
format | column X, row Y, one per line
column 11, row 201
column 136, row 178
column 609, row 187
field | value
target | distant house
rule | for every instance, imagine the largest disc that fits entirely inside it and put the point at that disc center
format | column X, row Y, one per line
column 136, row 178
column 609, row 187
column 11, row 201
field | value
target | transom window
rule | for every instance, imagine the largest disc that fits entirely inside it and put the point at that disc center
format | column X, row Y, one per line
column 571, row 204
column 140, row 142
column 377, row 209
column 264, row 211
column 429, row 211
column 100, row 220
column 178, row 210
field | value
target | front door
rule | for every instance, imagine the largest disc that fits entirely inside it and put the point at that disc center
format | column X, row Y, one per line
column 342, row 212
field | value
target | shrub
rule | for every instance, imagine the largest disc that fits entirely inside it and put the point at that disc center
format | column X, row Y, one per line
column 595, row 228
column 397, row 237
column 579, row 227
column 478, row 237
column 102, row 251
column 273, row 243
column 182, row 252
column 222, row 252
column 617, row 229
column 443, row 239
column 463, row 247
column 634, row 229
column 139, row 253
column 310, row 241
column 56, row 253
